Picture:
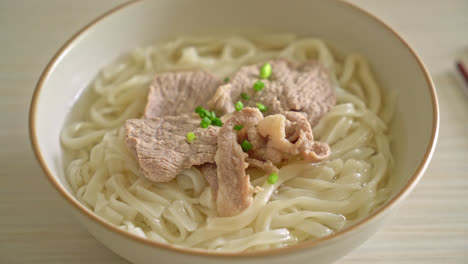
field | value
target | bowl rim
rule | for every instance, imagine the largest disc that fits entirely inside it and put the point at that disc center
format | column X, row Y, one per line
column 197, row 252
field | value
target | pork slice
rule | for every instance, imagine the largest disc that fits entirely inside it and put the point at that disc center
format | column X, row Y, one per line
column 234, row 189
column 266, row 166
column 262, row 150
column 209, row 172
column 311, row 150
column 304, row 88
column 179, row 93
column 289, row 134
column 161, row 147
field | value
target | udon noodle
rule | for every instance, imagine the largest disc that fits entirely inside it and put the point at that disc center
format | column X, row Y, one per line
column 307, row 202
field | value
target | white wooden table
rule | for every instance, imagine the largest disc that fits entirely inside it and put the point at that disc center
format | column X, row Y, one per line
column 36, row 227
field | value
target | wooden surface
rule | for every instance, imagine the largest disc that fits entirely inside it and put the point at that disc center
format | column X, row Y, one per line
column 36, row 226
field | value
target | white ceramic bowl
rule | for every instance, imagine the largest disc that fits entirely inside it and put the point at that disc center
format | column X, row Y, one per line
column 347, row 27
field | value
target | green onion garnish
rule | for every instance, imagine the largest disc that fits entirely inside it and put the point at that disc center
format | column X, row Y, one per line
column 245, row 96
column 216, row 122
column 209, row 114
column 226, row 80
column 273, row 178
column 191, row 137
column 205, row 122
column 208, row 118
column 239, row 106
column 262, row 107
column 199, row 109
column 265, row 71
column 202, row 112
column 238, row 127
column 246, row 145
column 258, row 86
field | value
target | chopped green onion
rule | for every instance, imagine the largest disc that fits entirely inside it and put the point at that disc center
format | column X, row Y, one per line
column 273, row 178
column 226, row 80
column 238, row 127
column 265, row 71
column 209, row 114
column 205, row 122
column 202, row 112
column 239, row 106
column 199, row 109
column 208, row 118
column 258, row 86
column 246, row 145
column 262, row 107
column 245, row 96
column 191, row 137
column 217, row 122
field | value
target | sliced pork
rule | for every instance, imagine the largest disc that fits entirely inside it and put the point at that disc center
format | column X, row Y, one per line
column 180, row 93
column 234, row 189
column 305, row 88
column 289, row 134
column 209, row 172
column 161, row 148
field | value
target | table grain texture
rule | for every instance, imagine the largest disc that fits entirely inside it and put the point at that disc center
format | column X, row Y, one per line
column 431, row 226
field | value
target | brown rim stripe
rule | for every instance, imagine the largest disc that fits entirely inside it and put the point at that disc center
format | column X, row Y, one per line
column 405, row 190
